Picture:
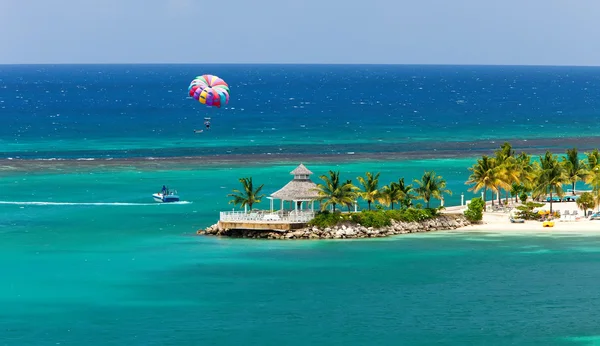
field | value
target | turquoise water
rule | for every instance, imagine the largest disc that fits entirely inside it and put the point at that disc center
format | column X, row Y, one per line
column 87, row 258
column 126, row 270
column 172, row 289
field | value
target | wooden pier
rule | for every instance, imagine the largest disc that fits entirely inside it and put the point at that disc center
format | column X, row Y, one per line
column 265, row 221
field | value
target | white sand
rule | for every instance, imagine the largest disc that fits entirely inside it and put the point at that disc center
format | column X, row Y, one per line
column 499, row 222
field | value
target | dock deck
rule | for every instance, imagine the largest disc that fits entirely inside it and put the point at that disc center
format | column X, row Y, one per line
column 266, row 221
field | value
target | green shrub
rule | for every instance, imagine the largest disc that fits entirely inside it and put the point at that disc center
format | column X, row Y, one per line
column 586, row 201
column 526, row 212
column 326, row 219
column 474, row 212
column 412, row 214
column 373, row 218
column 523, row 197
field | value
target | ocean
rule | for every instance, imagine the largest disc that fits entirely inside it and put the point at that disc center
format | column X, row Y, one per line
column 87, row 257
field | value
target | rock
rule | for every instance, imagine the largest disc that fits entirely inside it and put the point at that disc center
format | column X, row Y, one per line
column 343, row 231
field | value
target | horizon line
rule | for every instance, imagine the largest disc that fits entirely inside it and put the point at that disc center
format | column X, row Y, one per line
column 289, row 64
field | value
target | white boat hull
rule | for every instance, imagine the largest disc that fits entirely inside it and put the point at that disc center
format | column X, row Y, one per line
column 159, row 197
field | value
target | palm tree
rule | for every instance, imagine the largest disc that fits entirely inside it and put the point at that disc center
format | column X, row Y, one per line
column 552, row 176
column 575, row 168
column 484, row 175
column 388, row 195
column 395, row 192
column 506, row 150
column 592, row 171
column 516, row 190
column 248, row 196
column 334, row 192
column 369, row 190
column 352, row 188
column 525, row 169
column 430, row 186
column 507, row 171
column 407, row 193
column 586, row 201
column 593, row 159
column 595, row 182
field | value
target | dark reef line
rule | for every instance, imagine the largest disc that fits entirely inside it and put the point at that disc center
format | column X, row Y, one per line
column 426, row 150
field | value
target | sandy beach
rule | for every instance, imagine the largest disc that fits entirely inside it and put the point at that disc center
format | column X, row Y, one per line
column 499, row 222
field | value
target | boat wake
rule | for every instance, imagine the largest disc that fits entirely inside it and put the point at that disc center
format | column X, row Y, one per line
column 91, row 203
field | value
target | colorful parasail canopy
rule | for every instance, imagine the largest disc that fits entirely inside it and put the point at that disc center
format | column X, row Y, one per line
column 209, row 90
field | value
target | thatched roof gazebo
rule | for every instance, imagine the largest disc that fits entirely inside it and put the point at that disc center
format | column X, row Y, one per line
column 299, row 190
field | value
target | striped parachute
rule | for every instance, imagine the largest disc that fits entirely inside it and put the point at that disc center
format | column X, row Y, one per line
column 209, row 90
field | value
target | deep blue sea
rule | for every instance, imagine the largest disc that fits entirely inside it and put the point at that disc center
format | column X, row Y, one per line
column 110, row 111
column 87, row 258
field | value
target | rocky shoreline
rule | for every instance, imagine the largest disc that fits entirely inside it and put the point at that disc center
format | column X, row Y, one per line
column 346, row 230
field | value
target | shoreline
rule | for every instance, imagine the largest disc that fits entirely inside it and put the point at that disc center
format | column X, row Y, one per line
column 499, row 222
column 346, row 230
column 451, row 220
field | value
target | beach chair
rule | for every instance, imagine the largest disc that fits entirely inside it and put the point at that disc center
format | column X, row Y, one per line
column 561, row 217
column 571, row 217
column 575, row 215
column 513, row 220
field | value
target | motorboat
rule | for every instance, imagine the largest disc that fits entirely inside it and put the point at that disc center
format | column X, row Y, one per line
column 171, row 197
column 166, row 196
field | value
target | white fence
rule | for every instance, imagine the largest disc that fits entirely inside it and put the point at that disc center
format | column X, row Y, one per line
column 261, row 216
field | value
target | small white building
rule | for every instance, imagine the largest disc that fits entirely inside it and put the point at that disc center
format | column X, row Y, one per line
column 300, row 192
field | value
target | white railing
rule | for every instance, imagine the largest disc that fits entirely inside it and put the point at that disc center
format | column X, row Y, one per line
column 262, row 216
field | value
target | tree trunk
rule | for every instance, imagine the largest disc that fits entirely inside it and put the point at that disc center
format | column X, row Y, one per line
column 369, row 203
column 484, row 198
column 573, row 189
column 392, row 205
column 550, row 202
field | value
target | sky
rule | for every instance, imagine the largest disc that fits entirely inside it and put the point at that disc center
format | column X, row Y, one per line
column 488, row 32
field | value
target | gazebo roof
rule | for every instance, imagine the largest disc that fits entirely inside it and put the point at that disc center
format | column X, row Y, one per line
column 301, row 170
column 300, row 188
column 297, row 190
